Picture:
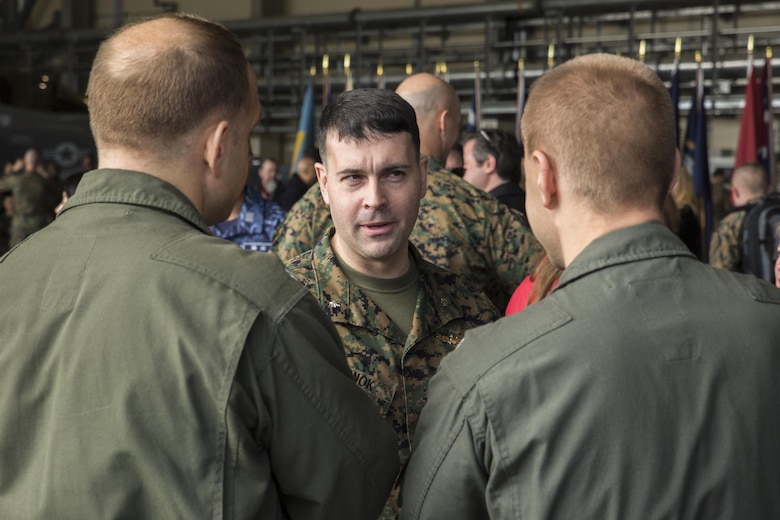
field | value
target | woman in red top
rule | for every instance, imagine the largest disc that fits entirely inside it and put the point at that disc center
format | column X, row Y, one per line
column 536, row 286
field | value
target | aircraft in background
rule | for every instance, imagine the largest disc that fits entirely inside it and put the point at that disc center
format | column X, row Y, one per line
column 38, row 112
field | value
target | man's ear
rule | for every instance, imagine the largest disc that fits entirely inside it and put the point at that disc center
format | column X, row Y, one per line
column 423, row 164
column 441, row 122
column 490, row 164
column 214, row 149
column 734, row 192
column 546, row 179
column 322, row 180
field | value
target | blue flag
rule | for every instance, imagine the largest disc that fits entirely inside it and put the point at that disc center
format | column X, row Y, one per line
column 674, row 92
column 305, row 137
column 471, row 124
column 696, row 160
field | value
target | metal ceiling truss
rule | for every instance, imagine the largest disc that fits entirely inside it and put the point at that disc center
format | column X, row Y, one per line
column 285, row 50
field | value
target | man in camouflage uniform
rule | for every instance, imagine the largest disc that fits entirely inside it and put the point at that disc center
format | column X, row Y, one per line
column 459, row 227
column 32, row 194
column 748, row 185
column 398, row 315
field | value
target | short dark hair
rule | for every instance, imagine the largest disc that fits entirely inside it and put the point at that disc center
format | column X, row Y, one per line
column 504, row 147
column 367, row 112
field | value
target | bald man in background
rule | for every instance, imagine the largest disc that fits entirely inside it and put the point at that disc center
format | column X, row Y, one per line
column 748, row 184
column 459, row 227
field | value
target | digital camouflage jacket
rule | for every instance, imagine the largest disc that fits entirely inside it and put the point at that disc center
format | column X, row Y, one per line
column 726, row 244
column 392, row 368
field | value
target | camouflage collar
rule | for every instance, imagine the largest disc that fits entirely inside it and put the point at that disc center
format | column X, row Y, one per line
column 345, row 302
column 136, row 188
column 434, row 164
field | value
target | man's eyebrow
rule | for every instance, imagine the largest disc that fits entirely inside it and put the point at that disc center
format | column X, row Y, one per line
column 384, row 169
column 395, row 166
column 350, row 171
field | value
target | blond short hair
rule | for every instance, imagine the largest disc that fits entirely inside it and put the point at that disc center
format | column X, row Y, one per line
column 751, row 178
column 607, row 124
column 155, row 81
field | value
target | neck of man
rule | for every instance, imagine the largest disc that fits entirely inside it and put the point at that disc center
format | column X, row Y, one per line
column 747, row 199
column 180, row 174
column 578, row 229
column 494, row 181
column 236, row 211
column 383, row 268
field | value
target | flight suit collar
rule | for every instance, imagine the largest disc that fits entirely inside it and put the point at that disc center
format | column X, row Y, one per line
column 135, row 188
column 643, row 241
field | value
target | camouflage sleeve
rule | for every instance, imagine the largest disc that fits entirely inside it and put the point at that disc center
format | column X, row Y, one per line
column 724, row 246
column 303, row 225
column 7, row 183
column 514, row 250
column 467, row 231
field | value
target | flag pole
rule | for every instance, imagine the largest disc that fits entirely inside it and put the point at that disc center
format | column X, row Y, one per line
column 380, row 73
column 704, row 214
column 675, row 86
column 348, row 72
column 677, row 49
column 550, row 55
column 770, row 125
column 477, row 95
column 520, row 97
column 325, row 81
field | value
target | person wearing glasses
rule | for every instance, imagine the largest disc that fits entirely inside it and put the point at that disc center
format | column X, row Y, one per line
column 491, row 160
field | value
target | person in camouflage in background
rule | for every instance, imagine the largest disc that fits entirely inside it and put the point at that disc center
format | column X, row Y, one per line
column 33, row 200
column 398, row 315
column 748, row 185
column 459, row 227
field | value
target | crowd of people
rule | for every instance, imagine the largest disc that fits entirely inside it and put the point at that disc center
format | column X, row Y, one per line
column 410, row 326
column 31, row 191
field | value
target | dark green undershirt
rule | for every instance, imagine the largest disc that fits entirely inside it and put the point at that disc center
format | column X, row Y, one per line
column 396, row 296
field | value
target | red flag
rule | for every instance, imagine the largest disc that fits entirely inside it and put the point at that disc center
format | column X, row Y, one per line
column 753, row 132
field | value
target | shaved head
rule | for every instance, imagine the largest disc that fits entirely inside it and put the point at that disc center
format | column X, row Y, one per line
column 750, row 181
column 438, row 112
